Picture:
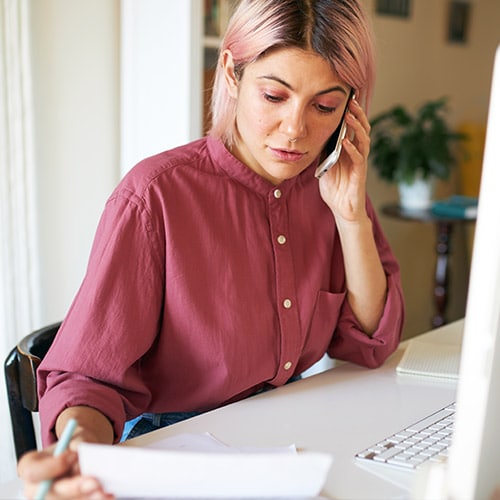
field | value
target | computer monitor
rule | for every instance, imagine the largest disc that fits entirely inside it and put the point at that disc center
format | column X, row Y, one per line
column 473, row 469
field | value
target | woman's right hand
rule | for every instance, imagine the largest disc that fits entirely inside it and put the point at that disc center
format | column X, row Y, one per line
column 37, row 466
column 64, row 470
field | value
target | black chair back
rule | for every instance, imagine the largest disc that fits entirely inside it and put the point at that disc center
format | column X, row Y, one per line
column 20, row 378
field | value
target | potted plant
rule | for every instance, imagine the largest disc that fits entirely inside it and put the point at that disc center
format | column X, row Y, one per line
column 414, row 150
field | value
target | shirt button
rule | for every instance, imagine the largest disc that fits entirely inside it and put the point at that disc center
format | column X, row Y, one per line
column 287, row 365
column 281, row 239
column 277, row 193
column 287, row 303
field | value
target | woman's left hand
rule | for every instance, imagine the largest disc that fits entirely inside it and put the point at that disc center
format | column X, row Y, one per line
column 343, row 187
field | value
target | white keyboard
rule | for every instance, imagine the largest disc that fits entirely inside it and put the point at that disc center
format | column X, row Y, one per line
column 427, row 439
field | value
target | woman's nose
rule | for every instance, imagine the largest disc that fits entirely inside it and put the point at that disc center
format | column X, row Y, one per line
column 293, row 124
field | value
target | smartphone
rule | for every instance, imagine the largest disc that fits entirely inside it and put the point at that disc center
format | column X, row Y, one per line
column 334, row 145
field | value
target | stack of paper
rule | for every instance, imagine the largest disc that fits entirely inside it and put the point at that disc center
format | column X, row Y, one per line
column 430, row 359
column 179, row 472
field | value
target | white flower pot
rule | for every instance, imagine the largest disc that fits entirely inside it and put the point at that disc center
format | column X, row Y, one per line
column 417, row 195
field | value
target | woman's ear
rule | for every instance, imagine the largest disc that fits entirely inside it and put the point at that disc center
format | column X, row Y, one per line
column 229, row 73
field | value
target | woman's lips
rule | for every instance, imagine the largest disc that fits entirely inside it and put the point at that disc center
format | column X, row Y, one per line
column 287, row 154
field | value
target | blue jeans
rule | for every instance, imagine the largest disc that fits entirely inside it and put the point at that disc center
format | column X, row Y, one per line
column 148, row 422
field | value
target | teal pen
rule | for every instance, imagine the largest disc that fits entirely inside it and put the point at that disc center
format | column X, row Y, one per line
column 61, row 446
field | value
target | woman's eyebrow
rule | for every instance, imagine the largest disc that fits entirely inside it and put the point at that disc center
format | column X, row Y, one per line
column 336, row 88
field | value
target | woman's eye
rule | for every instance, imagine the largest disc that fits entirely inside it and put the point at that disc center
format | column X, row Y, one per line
column 272, row 98
column 324, row 109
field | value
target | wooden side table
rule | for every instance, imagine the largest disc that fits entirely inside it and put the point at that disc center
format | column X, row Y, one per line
column 444, row 228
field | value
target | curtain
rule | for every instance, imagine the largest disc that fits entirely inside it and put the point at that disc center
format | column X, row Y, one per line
column 18, row 270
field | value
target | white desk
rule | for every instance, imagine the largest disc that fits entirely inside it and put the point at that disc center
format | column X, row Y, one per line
column 340, row 411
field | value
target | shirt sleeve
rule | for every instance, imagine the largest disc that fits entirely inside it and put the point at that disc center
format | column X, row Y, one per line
column 110, row 325
column 350, row 342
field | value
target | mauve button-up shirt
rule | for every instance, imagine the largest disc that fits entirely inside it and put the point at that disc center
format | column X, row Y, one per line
column 205, row 284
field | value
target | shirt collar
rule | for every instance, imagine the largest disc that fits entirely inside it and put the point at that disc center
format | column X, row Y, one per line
column 237, row 170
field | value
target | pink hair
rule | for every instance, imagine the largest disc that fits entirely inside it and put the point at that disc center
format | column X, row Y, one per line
column 337, row 30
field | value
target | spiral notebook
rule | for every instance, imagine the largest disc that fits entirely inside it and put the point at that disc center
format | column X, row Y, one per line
column 430, row 359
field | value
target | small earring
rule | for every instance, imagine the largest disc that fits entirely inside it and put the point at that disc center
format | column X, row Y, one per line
column 292, row 140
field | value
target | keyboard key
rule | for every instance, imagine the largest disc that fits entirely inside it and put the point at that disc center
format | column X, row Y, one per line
column 386, row 455
column 404, row 434
column 426, row 422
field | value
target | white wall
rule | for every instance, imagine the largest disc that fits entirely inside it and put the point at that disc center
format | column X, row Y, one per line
column 76, row 96
column 416, row 61
column 161, row 79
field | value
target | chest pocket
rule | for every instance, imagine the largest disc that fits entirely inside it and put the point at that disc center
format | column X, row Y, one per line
column 324, row 319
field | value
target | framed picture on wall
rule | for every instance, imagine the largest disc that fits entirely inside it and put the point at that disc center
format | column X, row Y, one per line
column 396, row 8
column 458, row 21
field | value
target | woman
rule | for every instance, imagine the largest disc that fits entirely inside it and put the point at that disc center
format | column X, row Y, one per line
column 224, row 267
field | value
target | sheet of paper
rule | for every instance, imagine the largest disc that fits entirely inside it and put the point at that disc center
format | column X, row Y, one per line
column 207, row 442
column 217, row 471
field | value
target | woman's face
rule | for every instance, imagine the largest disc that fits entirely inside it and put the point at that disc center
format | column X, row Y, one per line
column 287, row 94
